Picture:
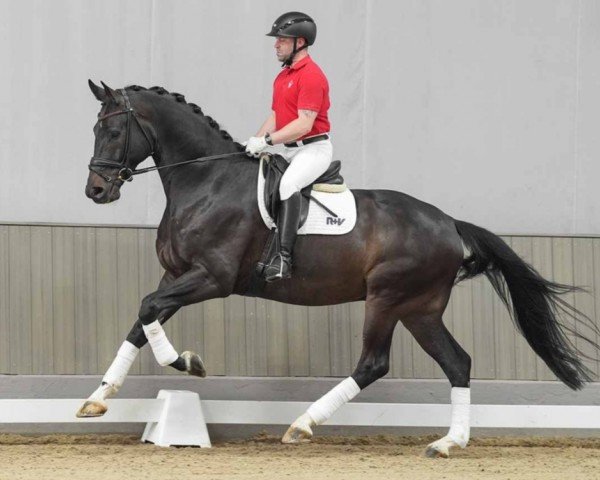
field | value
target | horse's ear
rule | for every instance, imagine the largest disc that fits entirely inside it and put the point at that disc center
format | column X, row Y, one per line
column 110, row 93
column 98, row 92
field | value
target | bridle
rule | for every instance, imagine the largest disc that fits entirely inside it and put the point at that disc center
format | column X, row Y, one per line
column 125, row 174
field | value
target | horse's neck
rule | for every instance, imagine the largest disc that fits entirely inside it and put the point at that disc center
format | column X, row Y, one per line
column 187, row 142
column 180, row 148
column 236, row 169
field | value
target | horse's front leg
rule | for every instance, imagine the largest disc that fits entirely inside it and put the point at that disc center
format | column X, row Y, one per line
column 95, row 405
column 194, row 286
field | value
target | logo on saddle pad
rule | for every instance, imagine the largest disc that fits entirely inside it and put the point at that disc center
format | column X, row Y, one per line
column 335, row 221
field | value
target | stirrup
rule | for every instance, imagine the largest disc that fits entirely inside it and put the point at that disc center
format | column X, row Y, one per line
column 279, row 274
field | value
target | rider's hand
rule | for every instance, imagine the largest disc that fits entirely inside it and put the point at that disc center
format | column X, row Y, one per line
column 255, row 145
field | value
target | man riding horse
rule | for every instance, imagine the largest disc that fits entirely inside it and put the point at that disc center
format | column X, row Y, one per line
column 402, row 257
column 299, row 121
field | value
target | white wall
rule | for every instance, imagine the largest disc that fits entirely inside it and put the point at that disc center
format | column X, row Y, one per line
column 486, row 108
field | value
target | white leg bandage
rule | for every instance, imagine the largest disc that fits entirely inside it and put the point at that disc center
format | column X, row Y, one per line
column 116, row 373
column 119, row 368
column 323, row 408
column 164, row 352
column 461, row 406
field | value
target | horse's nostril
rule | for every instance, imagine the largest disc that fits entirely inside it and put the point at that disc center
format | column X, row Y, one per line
column 97, row 191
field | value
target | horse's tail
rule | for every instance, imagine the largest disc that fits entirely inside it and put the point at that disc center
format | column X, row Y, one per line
column 533, row 302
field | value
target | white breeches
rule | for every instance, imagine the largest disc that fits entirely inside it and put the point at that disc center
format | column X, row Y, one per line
column 307, row 163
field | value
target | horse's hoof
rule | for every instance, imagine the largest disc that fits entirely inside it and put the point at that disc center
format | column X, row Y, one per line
column 436, row 452
column 92, row 408
column 439, row 448
column 194, row 364
column 297, row 434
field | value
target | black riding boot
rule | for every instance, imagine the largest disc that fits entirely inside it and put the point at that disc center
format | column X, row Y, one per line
column 280, row 266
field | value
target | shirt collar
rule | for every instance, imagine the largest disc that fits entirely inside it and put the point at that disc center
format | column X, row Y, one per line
column 301, row 63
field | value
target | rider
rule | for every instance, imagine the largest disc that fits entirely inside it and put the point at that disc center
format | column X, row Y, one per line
column 299, row 121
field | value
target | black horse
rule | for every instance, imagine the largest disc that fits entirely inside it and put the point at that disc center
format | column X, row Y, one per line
column 403, row 256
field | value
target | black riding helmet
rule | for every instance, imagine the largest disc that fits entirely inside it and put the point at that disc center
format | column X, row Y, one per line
column 294, row 25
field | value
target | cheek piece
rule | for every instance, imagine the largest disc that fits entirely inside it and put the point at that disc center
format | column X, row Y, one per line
column 125, row 173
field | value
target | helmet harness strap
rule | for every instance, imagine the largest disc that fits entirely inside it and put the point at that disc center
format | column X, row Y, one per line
column 288, row 61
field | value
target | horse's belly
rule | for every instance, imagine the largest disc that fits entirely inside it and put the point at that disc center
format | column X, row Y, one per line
column 326, row 271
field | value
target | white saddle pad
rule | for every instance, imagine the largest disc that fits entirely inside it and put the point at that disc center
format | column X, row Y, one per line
column 319, row 221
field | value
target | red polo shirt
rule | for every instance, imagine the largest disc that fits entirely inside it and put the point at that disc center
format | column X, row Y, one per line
column 302, row 86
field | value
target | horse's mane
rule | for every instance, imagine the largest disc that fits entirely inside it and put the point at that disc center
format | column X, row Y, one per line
column 195, row 108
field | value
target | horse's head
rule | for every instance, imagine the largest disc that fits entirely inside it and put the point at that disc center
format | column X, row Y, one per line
column 124, row 139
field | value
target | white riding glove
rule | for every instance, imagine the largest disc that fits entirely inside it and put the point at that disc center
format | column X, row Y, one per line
column 255, row 145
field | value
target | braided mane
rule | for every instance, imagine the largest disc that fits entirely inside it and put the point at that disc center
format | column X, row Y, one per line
column 195, row 108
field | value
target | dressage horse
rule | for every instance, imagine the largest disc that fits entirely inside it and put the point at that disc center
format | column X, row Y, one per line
column 402, row 258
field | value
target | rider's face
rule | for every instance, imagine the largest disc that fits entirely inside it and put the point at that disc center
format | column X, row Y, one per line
column 284, row 47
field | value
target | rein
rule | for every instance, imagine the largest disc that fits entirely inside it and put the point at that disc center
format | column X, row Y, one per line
column 125, row 173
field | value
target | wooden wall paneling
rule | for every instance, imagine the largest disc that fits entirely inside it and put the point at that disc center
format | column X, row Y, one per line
column 4, row 300
column 107, row 296
column 256, row 336
column 277, row 340
column 42, row 333
column 583, row 276
column 298, row 341
column 318, row 332
column 340, row 340
column 85, row 308
column 20, row 333
column 235, row 336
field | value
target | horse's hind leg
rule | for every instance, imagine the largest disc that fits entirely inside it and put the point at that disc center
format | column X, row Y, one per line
column 373, row 364
column 436, row 340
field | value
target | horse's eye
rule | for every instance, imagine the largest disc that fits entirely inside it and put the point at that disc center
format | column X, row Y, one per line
column 115, row 133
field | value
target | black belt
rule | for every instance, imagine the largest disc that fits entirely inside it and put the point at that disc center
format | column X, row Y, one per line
column 306, row 141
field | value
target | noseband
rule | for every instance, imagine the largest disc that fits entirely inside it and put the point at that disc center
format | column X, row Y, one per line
column 125, row 174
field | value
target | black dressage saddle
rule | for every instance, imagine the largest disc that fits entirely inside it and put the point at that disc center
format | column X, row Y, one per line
column 274, row 166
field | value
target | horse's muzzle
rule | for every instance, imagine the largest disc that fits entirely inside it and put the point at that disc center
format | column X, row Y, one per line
column 102, row 193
